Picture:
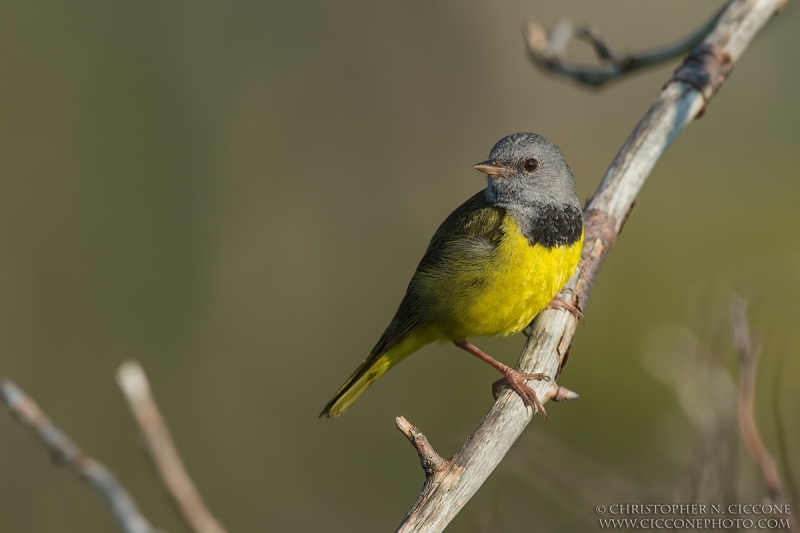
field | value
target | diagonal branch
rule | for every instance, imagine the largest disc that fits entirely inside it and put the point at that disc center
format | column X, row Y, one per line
column 549, row 51
column 684, row 96
column 749, row 350
column 163, row 452
column 66, row 452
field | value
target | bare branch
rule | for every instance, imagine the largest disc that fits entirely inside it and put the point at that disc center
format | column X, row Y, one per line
column 431, row 461
column 548, row 346
column 549, row 51
column 66, row 452
column 163, row 452
column 749, row 350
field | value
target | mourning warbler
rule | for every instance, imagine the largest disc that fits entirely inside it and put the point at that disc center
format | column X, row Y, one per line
column 491, row 267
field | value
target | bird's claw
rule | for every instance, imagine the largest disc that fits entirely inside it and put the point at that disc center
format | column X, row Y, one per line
column 558, row 303
column 516, row 381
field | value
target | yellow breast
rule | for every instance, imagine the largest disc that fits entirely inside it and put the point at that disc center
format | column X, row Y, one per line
column 521, row 280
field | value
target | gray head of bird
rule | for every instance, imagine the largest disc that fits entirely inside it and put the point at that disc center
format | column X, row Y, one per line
column 527, row 170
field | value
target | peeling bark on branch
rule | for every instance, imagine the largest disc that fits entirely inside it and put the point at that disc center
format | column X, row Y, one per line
column 682, row 99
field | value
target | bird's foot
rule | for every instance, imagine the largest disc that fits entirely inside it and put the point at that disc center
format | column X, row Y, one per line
column 558, row 303
column 513, row 379
column 516, row 381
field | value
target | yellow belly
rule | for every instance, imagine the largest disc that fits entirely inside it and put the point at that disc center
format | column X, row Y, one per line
column 519, row 282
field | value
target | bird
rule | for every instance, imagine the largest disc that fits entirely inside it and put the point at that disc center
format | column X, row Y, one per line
column 495, row 263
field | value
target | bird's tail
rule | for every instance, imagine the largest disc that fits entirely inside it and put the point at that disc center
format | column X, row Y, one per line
column 374, row 366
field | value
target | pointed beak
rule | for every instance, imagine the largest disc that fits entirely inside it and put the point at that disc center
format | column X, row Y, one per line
column 493, row 169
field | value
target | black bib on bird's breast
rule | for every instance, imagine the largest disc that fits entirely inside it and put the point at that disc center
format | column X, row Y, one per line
column 552, row 225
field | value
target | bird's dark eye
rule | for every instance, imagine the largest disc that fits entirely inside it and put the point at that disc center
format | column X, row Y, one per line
column 531, row 165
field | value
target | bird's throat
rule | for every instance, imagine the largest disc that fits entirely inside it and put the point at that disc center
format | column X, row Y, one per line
column 549, row 225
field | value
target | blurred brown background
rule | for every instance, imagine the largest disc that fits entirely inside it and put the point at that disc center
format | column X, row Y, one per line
column 236, row 194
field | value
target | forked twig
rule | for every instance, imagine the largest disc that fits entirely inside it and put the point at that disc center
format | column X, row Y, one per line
column 163, row 452
column 67, row 453
column 548, row 50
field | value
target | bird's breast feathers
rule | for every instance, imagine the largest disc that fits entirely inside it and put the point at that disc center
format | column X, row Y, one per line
column 498, row 289
column 522, row 280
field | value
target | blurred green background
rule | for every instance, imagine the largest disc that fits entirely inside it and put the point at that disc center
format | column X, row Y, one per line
column 236, row 194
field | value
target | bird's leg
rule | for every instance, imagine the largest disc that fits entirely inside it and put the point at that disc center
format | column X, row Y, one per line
column 514, row 379
column 558, row 303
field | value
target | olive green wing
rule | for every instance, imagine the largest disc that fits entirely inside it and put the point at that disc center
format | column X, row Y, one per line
column 462, row 245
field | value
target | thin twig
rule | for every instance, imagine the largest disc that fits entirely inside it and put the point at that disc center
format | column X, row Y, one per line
column 549, row 51
column 783, row 443
column 683, row 97
column 67, row 453
column 749, row 350
column 163, row 452
column 431, row 461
